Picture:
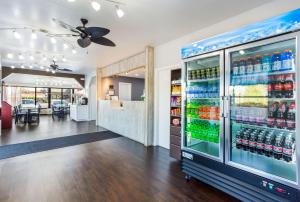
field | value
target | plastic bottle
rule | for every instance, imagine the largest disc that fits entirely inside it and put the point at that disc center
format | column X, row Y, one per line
column 289, row 147
column 242, row 67
column 276, row 61
column 260, row 143
column 270, row 140
column 287, row 58
column 253, row 141
column 278, row 146
column 291, row 116
column 281, row 115
column 258, row 64
column 266, row 63
column 288, row 86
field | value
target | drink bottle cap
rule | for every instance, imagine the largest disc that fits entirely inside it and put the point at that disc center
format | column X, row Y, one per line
column 277, row 52
column 287, row 50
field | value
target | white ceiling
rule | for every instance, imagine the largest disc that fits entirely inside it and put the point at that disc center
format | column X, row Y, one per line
column 16, row 79
column 146, row 22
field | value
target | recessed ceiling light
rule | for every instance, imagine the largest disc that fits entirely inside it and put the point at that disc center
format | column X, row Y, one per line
column 74, row 51
column 53, row 72
column 53, row 40
column 44, row 58
column 33, row 35
column 41, row 67
column 30, row 66
column 71, row 0
column 16, row 34
column 47, row 69
column 119, row 12
column 10, row 55
column 22, row 66
column 136, row 74
column 12, row 66
column 31, row 57
column 242, row 52
column 96, row 6
column 64, row 59
column 66, row 46
column 21, row 57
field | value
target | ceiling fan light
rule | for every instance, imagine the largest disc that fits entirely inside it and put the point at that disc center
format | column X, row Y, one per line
column 12, row 66
column 53, row 71
column 10, row 56
column 16, row 34
column 33, row 35
column 53, row 40
column 74, row 51
column 120, row 12
column 96, row 6
column 21, row 57
column 66, row 46
column 64, row 59
column 48, row 70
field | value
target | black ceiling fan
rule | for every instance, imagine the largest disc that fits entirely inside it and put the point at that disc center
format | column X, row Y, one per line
column 86, row 34
column 54, row 67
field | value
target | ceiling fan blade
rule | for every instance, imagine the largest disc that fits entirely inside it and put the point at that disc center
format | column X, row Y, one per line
column 63, row 35
column 96, row 32
column 65, row 25
column 64, row 69
column 103, row 41
column 84, row 42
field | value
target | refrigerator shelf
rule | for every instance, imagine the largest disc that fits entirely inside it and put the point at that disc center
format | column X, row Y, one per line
column 178, row 116
column 262, row 127
column 176, row 94
column 209, row 120
column 203, row 80
column 212, row 98
column 265, row 74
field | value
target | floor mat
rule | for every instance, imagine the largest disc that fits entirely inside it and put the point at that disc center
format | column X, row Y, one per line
column 13, row 150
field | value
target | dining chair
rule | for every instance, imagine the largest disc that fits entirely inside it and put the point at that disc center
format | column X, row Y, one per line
column 34, row 115
column 19, row 114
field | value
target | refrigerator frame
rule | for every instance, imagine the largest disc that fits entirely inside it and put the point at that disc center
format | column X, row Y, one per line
column 296, row 36
column 219, row 53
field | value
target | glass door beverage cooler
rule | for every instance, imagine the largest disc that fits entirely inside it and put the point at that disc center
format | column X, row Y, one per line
column 240, row 124
column 203, row 123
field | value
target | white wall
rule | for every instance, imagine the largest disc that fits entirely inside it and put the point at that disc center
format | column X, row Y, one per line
column 90, row 90
column 167, row 56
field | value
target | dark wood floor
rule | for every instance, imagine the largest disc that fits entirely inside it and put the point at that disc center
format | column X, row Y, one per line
column 110, row 170
column 47, row 128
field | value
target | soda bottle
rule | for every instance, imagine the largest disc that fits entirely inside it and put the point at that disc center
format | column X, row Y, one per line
column 287, row 58
column 253, row 141
column 276, row 61
column 203, row 75
column 288, row 86
column 208, row 75
column 250, row 65
column 278, row 146
column 291, row 116
column 278, row 86
column 270, row 140
column 258, row 64
column 235, row 68
column 281, row 115
column 272, row 114
column 289, row 147
column 266, row 63
column 260, row 143
column 238, row 140
column 271, row 87
column 245, row 139
column 242, row 67
column 198, row 74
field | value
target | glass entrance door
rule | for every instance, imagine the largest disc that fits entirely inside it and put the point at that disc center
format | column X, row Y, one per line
column 262, row 100
column 203, row 121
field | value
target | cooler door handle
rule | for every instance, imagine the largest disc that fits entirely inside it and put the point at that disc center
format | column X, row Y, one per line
column 222, row 106
column 226, row 106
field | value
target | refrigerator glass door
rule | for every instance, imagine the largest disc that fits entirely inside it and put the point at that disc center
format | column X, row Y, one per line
column 262, row 121
column 203, row 124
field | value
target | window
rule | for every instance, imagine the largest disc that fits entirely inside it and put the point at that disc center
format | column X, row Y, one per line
column 67, row 96
column 56, row 95
column 27, row 95
column 42, row 97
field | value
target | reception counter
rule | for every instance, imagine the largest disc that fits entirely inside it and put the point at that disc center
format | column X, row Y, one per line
column 127, row 119
column 79, row 112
